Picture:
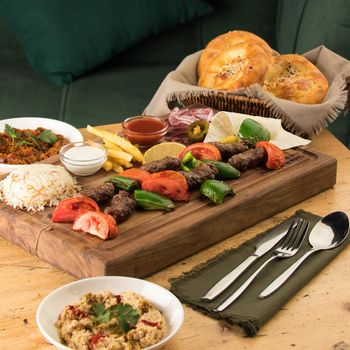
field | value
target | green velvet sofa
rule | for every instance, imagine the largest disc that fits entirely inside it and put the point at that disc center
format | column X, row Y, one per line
column 124, row 85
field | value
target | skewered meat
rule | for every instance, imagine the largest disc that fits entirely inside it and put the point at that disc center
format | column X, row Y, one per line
column 197, row 176
column 101, row 193
column 227, row 150
column 167, row 163
column 248, row 159
column 122, row 206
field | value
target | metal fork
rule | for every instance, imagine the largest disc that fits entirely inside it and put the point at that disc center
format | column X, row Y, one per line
column 286, row 249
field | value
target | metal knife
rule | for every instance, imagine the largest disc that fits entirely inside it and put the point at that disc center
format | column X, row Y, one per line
column 261, row 248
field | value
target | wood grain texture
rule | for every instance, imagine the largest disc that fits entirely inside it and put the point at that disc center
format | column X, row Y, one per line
column 317, row 318
column 150, row 241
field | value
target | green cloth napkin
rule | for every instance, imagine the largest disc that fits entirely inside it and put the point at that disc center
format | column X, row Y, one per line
column 248, row 311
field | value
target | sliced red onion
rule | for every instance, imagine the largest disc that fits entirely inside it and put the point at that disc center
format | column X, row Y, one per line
column 186, row 116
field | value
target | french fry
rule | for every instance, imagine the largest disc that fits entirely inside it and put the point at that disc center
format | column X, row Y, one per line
column 112, row 153
column 128, row 165
column 117, row 168
column 119, row 141
column 111, row 145
column 120, row 161
column 107, row 165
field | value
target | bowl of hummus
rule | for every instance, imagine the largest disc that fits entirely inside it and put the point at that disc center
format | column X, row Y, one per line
column 109, row 313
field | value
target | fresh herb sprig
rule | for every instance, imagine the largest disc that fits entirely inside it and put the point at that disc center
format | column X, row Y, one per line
column 12, row 133
column 46, row 136
column 103, row 315
column 126, row 315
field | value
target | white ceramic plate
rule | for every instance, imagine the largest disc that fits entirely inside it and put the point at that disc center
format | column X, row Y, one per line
column 68, row 131
column 54, row 303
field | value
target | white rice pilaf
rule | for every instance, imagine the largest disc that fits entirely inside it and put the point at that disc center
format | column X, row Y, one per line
column 35, row 186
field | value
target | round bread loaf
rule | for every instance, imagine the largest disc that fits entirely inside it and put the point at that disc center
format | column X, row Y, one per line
column 225, row 41
column 293, row 77
column 236, row 67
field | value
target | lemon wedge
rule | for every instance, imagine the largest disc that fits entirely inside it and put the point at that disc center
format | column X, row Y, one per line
column 162, row 150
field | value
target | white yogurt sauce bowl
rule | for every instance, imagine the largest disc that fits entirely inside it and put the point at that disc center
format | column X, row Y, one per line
column 82, row 159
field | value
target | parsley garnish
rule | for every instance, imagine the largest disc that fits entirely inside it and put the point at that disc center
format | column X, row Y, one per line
column 103, row 315
column 34, row 140
column 11, row 133
column 126, row 315
column 48, row 136
column 23, row 143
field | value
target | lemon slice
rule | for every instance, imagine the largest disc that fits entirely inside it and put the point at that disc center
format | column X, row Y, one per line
column 162, row 150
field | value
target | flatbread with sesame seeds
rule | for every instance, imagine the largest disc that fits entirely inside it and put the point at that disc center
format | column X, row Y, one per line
column 225, row 41
column 293, row 77
column 237, row 67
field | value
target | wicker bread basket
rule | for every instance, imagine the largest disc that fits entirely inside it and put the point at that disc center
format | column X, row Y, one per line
column 222, row 101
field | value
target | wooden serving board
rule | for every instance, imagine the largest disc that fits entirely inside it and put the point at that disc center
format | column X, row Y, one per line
column 150, row 241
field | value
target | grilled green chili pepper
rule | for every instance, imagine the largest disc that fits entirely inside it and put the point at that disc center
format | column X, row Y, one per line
column 216, row 190
column 152, row 201
column 189, row 162
column 253, row 132
column 197, row 131
column 226, row 171
column 123, row 183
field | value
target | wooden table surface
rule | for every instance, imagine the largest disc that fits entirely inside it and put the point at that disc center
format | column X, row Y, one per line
column 317, row 318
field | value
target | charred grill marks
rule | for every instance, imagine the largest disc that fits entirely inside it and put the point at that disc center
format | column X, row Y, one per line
column 167, row 163
column 197, row 176
column 122, row 206
column 101, row 193
column 248, row 159
column 227, row 150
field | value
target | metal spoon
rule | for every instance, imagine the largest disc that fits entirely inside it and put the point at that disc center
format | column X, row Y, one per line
column 328, row 233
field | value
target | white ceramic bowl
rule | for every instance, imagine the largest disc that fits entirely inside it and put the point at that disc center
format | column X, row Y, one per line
column 68, row 131
column 50, row 308
column 89, row 163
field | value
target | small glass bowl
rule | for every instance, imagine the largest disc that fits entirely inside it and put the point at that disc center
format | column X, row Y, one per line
column 144, row 130
column 82, row 159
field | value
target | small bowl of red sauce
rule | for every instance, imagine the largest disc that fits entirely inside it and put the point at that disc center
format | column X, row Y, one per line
column 144, row 131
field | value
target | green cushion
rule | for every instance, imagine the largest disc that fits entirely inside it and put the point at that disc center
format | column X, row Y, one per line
column 10, row 48
column 112, row 93
column 340, row 128
column 289, row 15
column 255, row 16
column 107, row 95
column 24, row 93
column 305, row 24
column 63, row 39
column 170, row 47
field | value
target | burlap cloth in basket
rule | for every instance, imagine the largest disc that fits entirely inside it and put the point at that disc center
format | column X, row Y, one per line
column 248, row 311
column 301, row 119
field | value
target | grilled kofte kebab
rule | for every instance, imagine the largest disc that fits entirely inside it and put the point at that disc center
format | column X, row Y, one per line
column 101, row 193
column 237, row 154
column 122, row 206
column 160, row 185
column 167, row 163
column 227, row 150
